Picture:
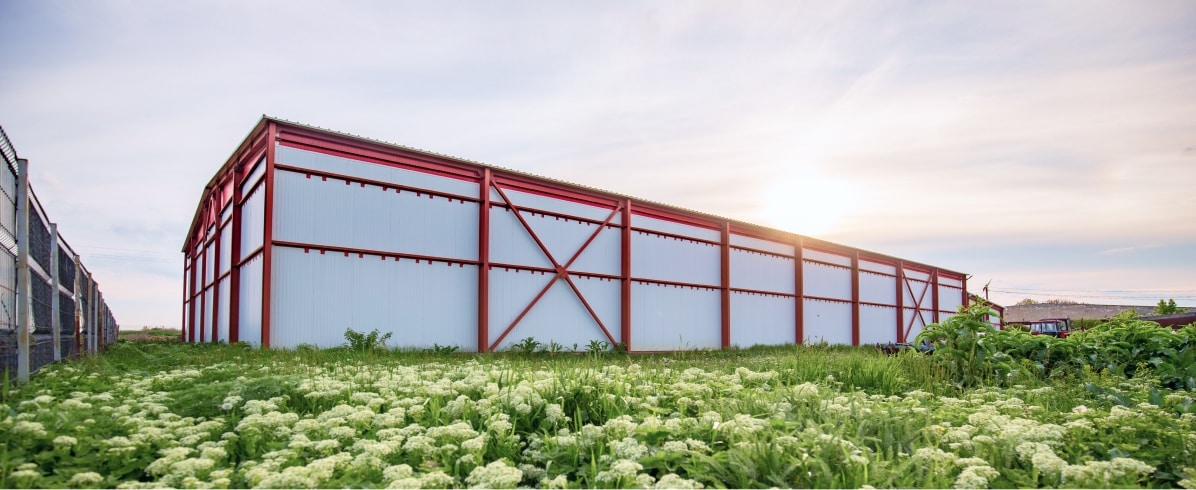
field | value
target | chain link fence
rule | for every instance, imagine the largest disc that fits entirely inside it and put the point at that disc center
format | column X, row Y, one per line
column 50, row 307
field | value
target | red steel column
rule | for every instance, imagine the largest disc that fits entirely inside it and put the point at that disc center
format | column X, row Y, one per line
column 484, row 262
column 203, row 295
column 268, row 233
column 183, row 327
column 900, row 280
column 216, row 279
column 799, row 300
column 625, row 272
column 191, row 293
column 234, row 266
column 855, row 297
column 725, row 260
column 934, row 294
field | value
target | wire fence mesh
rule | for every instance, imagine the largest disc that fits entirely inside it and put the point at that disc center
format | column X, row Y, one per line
column 65, row 313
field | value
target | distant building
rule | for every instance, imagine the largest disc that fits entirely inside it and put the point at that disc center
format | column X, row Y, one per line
column 1039, row 311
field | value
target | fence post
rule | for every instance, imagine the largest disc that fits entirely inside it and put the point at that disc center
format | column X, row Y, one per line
column 23, row 293
column 91, row 316
column 78, row 296
column 55, row 318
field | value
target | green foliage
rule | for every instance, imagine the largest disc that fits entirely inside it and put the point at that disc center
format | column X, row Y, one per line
column 963, row 344
column 366, row 342
column 1167, row 308
column 442, row 350
column 529, row 345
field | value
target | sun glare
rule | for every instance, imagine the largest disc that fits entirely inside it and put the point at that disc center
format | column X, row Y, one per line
column 812, row 205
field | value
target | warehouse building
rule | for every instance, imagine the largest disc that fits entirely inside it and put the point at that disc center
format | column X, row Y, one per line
column 304, row 233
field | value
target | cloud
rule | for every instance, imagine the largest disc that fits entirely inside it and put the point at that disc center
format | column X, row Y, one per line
column 931, row 130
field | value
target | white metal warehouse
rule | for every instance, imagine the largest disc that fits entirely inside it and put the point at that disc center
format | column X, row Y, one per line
column 304, row 233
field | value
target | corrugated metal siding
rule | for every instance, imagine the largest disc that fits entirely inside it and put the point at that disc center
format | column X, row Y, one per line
column 259, row 170
column 915, row 290
column 875, row 288
column 876, row 267
column 8, row 295
column 827, row 321
column 758, row 319
column 510, row 243
column 674, row 228
column 827, row 257
column 372, row 171
column 253, row 222
column 250, row 297
column 674, row 318
column 605, row 297
column 226, row 249
column 317, row 297
column 918, row 322
column 916, row 274
column 208, row 320
column 209, row 252
column 785, row 249
column 761, row 272
column 558, row 317
column 950, row 298
column 950, row 281
column 222, row 317
column 878, row 324
column 329, row 212
column 826, row 281
column 672, row 259
column 528, row 201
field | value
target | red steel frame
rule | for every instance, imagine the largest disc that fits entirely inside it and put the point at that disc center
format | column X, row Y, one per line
column 269, row 133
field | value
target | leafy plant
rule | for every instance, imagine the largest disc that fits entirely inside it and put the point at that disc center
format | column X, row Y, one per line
column 964, row 345
column 366, row 342
column 442, row 350
column 528, row 345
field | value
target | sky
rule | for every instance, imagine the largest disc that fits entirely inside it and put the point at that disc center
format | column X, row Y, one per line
column 1047, row 149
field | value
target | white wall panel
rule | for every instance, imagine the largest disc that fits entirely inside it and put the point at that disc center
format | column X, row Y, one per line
column 761, row 272
column 826, row 281
column 827, row 257
column 530, row 202
column 878, row 324
column 295, row 157
column 950, row 281
column 919, row 321
column 667, row 258
column 785, row 249
column 759, row 319
column 559, row 316
column 878, row 267
column 665, row 318
column 827, row 321
column 950, row 298
column 222, row 314
column 876, row 288
column 256, row 174
column 249, row 319
column 510, row 242
column 317, row 297
column 253, row 222
column 209, row 252
column 328, row 212
column 913, row 291
column 916, row 274
column 209, row 306
column 664, row 226
column 226, row 249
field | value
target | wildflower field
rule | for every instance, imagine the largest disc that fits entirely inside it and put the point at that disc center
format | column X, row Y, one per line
column 152, row 414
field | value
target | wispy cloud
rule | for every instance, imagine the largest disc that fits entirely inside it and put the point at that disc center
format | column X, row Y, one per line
column 928, row 129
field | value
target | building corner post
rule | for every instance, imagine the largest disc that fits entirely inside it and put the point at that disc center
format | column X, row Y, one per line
column 55, row 306
column 625, row 277
column 268, row 232
column 484, row 261
column 725, row 268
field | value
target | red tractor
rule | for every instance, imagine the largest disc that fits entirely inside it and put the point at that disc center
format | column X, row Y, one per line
column 1055, row 327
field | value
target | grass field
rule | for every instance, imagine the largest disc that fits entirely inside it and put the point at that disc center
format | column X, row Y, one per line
column 161, row 334
column 148, row 414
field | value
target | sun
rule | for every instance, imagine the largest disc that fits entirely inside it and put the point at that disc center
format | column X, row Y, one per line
column 812, row 204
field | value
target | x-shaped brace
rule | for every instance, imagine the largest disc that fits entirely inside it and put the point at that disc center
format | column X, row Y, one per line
column 917, row 305
column 562, row 271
